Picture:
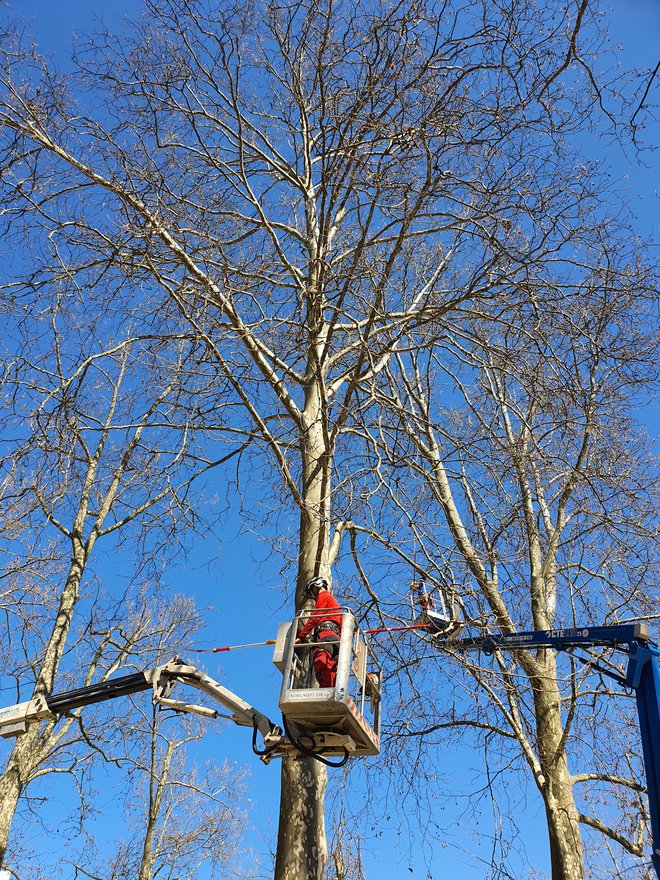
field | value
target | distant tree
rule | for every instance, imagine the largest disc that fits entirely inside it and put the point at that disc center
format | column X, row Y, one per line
column 191, row 821
column 345, row 858
column 179, row 815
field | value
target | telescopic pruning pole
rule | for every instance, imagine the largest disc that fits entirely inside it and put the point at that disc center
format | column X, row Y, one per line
column 236, row 647
column 368, row 632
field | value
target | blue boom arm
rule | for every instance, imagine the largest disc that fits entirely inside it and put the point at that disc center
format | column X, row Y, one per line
column 586, row 636
column 643, row 676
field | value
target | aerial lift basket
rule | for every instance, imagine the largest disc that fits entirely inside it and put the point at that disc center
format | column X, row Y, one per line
column 346, row 717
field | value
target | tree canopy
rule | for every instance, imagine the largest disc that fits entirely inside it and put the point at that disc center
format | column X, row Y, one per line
column 352, row 255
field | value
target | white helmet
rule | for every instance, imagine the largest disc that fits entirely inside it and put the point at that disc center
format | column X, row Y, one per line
column 316, row 583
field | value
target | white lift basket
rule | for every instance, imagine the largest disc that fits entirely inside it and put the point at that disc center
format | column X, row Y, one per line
column 335, row 719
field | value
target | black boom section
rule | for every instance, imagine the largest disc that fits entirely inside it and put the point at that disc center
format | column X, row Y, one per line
column 59, row 704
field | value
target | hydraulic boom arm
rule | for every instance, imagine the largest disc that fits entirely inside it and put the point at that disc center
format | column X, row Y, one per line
column 559, row 639
column 16, row 719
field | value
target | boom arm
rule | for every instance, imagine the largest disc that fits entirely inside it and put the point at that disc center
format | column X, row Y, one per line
column 163, row 678
column 16, row 719
column 591, row 636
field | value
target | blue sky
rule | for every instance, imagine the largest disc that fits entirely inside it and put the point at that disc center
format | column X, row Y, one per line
column 241, row 571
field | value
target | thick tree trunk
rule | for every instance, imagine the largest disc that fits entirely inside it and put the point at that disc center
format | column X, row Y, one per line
column 25, row 756
column 562, row 815
column 301, row 846
column 301, row 842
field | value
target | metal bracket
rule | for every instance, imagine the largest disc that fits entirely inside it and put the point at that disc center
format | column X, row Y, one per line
column 326, row 743
column 15, row 720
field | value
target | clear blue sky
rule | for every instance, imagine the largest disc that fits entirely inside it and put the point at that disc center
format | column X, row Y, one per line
column 242, row 571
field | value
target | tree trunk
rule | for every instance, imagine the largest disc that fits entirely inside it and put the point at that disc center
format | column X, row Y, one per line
column 301, row 842
column 29, row 751
column 25, row 756
column 562, row 814
column 301, row 845
column 159, row 770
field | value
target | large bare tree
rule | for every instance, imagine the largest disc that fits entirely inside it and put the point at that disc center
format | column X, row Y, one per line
column 512, row 457
column 300, row 185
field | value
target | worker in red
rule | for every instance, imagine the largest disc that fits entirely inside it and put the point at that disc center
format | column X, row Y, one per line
column 324, row 624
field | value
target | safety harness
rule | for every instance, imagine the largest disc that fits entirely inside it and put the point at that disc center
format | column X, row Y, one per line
column 328, row 631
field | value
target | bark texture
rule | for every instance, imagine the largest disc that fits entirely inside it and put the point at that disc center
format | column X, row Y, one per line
column 557, row 787
column 301, row 842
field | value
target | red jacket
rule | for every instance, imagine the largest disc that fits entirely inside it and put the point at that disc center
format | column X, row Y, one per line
column 327, row 608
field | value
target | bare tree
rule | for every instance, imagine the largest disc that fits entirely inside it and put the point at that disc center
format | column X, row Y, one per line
column 102, row 448
column 512, row 456
column 178, row 814
column 167, row 812
column 191, row 821
column 299, row 186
